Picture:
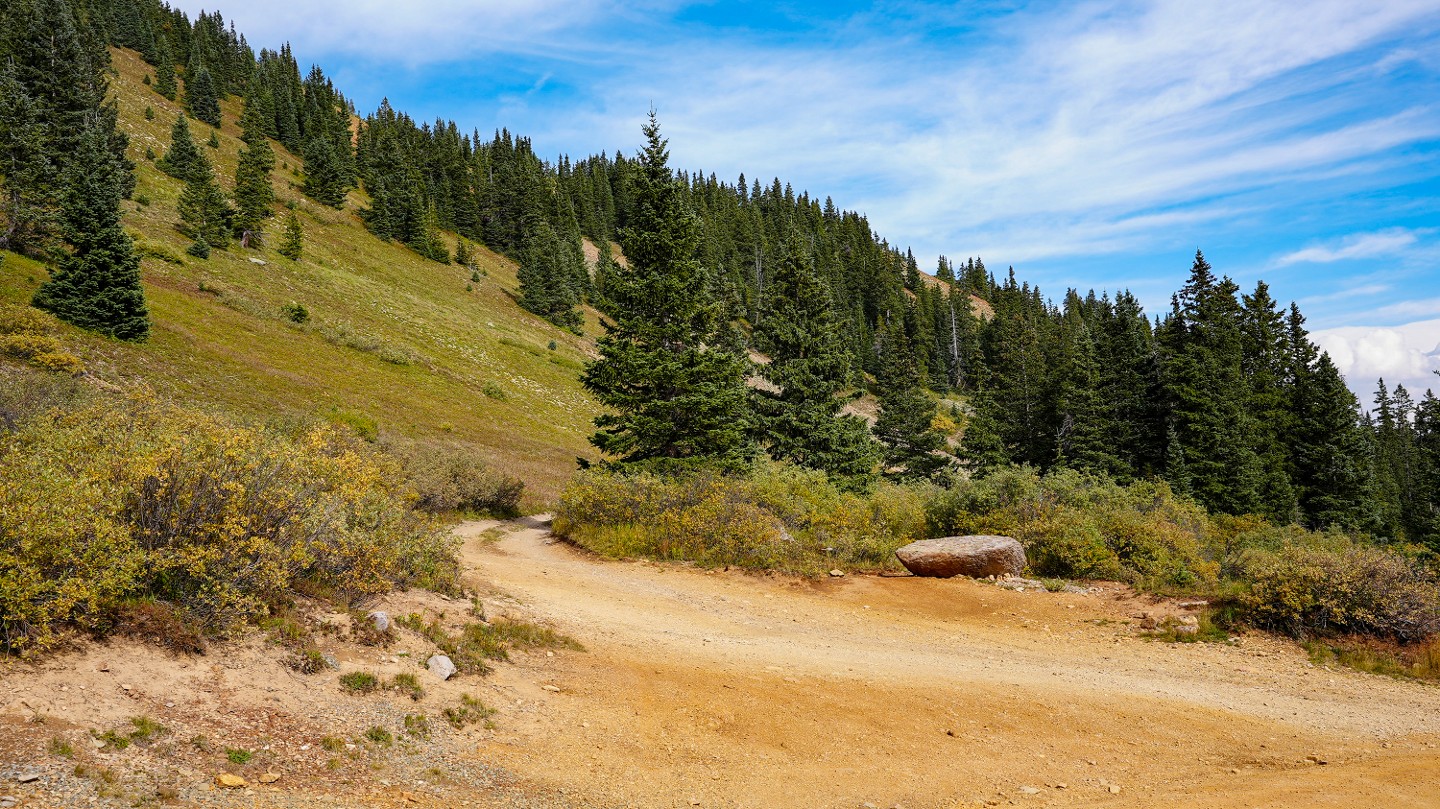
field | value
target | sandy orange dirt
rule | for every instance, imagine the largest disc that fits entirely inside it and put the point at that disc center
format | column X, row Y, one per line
column 728, row 689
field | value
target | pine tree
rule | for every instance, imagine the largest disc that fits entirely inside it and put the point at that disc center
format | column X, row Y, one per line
column 26, row 212
column 97, row 284
column 204, row 212
column 427, row 241
column 1333, row 454
column 798, row 416
column 676, row 399
column 201, row 98
column 544, row 275
column 325, row 180
column 1083, row 439
column 913, row 448
column 165, row 83
column 254, row 195
column 1205, row 389
column 293, row 244
column 183, row 157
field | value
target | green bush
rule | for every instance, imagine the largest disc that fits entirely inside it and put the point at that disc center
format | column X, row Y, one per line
column 359, row 682
column 1338, row 588
column 777, row 518
column 114, row 502
column 1076, row 525
column 449, row 478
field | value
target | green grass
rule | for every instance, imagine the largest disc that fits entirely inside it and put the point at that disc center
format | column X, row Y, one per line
column 477, row 643
column 408, row 684
column 359, row 682
column 236, row 755
column 1409, row 662
column 1211, row 628
column 468, row 712
column 389, row 336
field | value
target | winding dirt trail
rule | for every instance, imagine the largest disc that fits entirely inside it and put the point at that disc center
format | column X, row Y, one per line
column 733, row 690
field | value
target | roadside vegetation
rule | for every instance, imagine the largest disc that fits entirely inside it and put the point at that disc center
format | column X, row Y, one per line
column 128, row 512
column 1304, row 584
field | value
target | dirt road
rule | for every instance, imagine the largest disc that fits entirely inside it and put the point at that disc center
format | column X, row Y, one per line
column 727, row 689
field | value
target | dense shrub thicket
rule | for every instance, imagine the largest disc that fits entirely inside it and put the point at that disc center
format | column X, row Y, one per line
column 1073, row 525
column 105, row 504
column 779, row 518
column 457, row 478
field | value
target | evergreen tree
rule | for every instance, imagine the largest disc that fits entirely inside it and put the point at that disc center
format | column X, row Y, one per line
column 204, row 212
column 427, row 241
column 545, row 274
column 1333, row 457
column 1264, row 359
column 97, row 284
column 1204, row 387
column 294, row 242
column 165, row 83
column 1083, row 438
column 26, row 211
column 676, row 399
column 254, row 195
column 201, row 98
column 325, row 180
column 913, row 448
column 183, row 157
column 797, row 416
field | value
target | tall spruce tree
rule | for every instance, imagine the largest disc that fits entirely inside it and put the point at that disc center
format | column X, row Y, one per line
column 325, row 179
column 204, row 212
column 1207, row 395
column 183, row 157
column 254, row 195
column 545, row 276
column 165, row 83
column 201, row 97
column 798, row 415
column 27, row 214
column 97, row 284
column 676, row 399
column 913, row 447
column 292, row 245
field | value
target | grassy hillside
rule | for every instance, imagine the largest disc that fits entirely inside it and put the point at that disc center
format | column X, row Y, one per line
column 391, row 338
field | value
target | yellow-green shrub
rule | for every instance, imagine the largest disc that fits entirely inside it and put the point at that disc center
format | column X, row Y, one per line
column 142, row 499
column 451, row 478
column 25, row 334
column 779, row 517
column 1079, row 525
column 1334, row 587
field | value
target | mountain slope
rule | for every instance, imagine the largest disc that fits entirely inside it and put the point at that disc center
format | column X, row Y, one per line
column 390, row 337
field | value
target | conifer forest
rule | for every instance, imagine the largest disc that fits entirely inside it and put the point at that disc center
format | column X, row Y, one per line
column 742, row 316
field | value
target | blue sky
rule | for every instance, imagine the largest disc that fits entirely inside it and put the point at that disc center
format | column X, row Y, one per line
column 1089, row 144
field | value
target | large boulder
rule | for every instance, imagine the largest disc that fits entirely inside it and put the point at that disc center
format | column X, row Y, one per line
column 975, row 556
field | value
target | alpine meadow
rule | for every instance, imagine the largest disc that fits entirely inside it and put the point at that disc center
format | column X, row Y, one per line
column 356, row 458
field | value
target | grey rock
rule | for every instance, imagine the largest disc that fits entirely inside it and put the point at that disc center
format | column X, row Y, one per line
column 380, row 620
column 974, row 556
column 330, row 660
column 27, row 777
column 441, row 667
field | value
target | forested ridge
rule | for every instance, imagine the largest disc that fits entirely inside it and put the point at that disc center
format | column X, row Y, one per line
column 1223, row 396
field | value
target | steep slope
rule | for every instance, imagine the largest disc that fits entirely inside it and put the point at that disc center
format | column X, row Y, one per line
column 412, row 345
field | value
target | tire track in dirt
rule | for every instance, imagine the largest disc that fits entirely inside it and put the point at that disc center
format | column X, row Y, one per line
column 739, row 690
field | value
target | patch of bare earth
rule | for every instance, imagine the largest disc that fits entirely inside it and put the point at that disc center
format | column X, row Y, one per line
column 726, row 689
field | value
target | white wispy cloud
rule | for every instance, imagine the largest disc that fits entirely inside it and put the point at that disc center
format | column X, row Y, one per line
column 1101, row 127
column 1361, row 245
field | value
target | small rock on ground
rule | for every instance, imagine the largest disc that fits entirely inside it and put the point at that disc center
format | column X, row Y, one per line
column 441, row 667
